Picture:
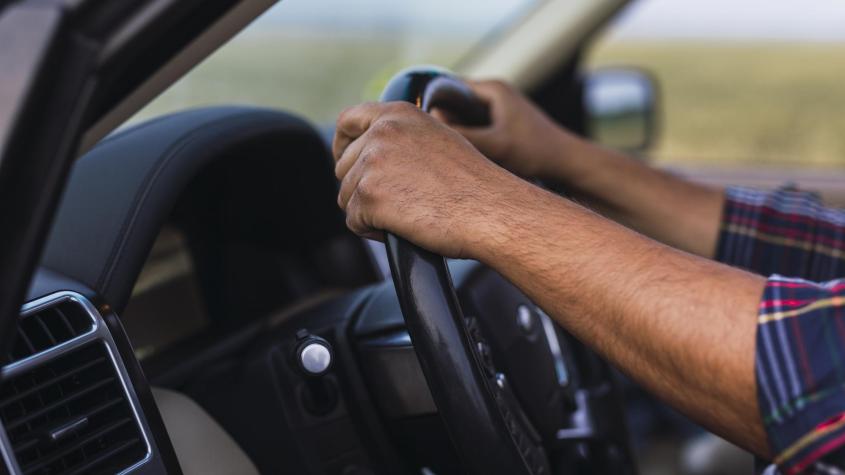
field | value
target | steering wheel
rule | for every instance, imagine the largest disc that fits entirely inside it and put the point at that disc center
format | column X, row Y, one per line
column 484, row 420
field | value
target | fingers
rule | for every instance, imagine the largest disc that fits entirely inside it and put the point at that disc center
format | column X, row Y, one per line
column 355, row 217
column 348, row 158
column 372, row 122
column 355, row 121
column 350, row 179
column 441, row 114
column 357, row 222
column 352, row 123
column 475, row 135
column 362, row 139
column 444, row 116
column 497, row 94
column 489, row 91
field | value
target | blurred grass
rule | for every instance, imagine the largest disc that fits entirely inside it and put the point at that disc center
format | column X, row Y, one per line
column 766, row 103
column 780, row 104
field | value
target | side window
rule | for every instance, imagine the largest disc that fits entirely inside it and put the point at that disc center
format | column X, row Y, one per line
column 741, row 82
column 316, row 57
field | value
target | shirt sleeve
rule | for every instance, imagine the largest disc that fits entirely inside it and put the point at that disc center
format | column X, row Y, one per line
column 800, row 372
column 787, row 232
column 800, row 342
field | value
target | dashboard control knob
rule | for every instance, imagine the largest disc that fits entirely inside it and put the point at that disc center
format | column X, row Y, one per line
column 313, row 355
column 525, row 319
column 501, row 380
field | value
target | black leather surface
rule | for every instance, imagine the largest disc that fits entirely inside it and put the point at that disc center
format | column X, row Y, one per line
column 381, row 314
column 46, row 282
column 477, row 413
column 122, row 191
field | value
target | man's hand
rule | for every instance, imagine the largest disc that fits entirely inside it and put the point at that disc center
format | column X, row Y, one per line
column 682, row 326
column 404, row 172
column 521, row 137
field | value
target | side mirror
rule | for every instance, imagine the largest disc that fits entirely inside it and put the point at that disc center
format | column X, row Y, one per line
column 620, row 106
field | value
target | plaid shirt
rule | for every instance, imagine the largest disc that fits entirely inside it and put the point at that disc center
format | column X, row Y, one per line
column 800, row 353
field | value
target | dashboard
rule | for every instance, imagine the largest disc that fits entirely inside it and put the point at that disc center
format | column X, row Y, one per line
column 212, row 239
column 166, row 225
column 166, row 305
column 74, row 399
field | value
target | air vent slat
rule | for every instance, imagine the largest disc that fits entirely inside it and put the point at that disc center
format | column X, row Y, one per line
column 12, row 425
column 25, row 445
column 88, row 415
column 45, row 328
column 104, row 406
column 44, row 462
column 49, row 334
column 68, row 413
column 63, row 318
column 25, row 339
column 17, row 397
column 99, row 460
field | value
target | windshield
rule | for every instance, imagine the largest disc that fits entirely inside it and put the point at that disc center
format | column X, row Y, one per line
column 315, row 58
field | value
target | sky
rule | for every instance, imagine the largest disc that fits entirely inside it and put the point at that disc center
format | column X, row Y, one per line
column 804, row 20
column 809, row 20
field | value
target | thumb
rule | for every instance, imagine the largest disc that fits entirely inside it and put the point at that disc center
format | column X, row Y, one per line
column 453, row 121
column 489, row 91
column 442, row 115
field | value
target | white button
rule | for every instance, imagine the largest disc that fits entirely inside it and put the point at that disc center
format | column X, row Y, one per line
column 525, row 319
column 315, row 358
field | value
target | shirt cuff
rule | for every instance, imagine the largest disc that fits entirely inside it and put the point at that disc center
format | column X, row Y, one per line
column 800, row 370
column 770, row 232
column 740, row 220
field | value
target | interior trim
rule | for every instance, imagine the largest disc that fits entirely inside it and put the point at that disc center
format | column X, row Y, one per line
column 540, row 44
column 98, row 332
column 194, row 53
column 137, row 178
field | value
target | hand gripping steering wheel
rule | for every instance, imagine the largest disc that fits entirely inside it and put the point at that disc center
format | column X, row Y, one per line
column 483, row 419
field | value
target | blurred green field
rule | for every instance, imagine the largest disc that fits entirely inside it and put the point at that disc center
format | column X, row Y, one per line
column 744, row 103
column 314, row 75
column 773, row 103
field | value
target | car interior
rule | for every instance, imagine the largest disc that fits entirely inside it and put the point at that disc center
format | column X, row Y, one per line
column 190, row 244
column 200, row 307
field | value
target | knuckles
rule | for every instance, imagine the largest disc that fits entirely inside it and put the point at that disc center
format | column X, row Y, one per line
column 386, row 128
column 346, row 118
column 373, row 157
column 401, row 107
column 343, row 117
column 366, row 188
column 352, row 222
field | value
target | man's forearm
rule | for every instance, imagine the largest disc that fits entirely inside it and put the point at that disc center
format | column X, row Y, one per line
column 665, row 207
column 683, row 326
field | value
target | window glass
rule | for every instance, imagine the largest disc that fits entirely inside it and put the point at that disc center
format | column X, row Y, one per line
column 317, row 57
column 742, row 81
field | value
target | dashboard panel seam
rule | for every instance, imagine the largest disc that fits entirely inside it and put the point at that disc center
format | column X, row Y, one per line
column 106, row 278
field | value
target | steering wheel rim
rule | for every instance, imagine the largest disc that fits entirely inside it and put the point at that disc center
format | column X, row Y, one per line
column 485, row 424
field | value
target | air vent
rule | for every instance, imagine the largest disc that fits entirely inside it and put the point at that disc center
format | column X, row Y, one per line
column 71, row 415
column 48, row 327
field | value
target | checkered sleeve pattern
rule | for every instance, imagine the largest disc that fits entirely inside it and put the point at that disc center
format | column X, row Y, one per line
column 800, row 348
